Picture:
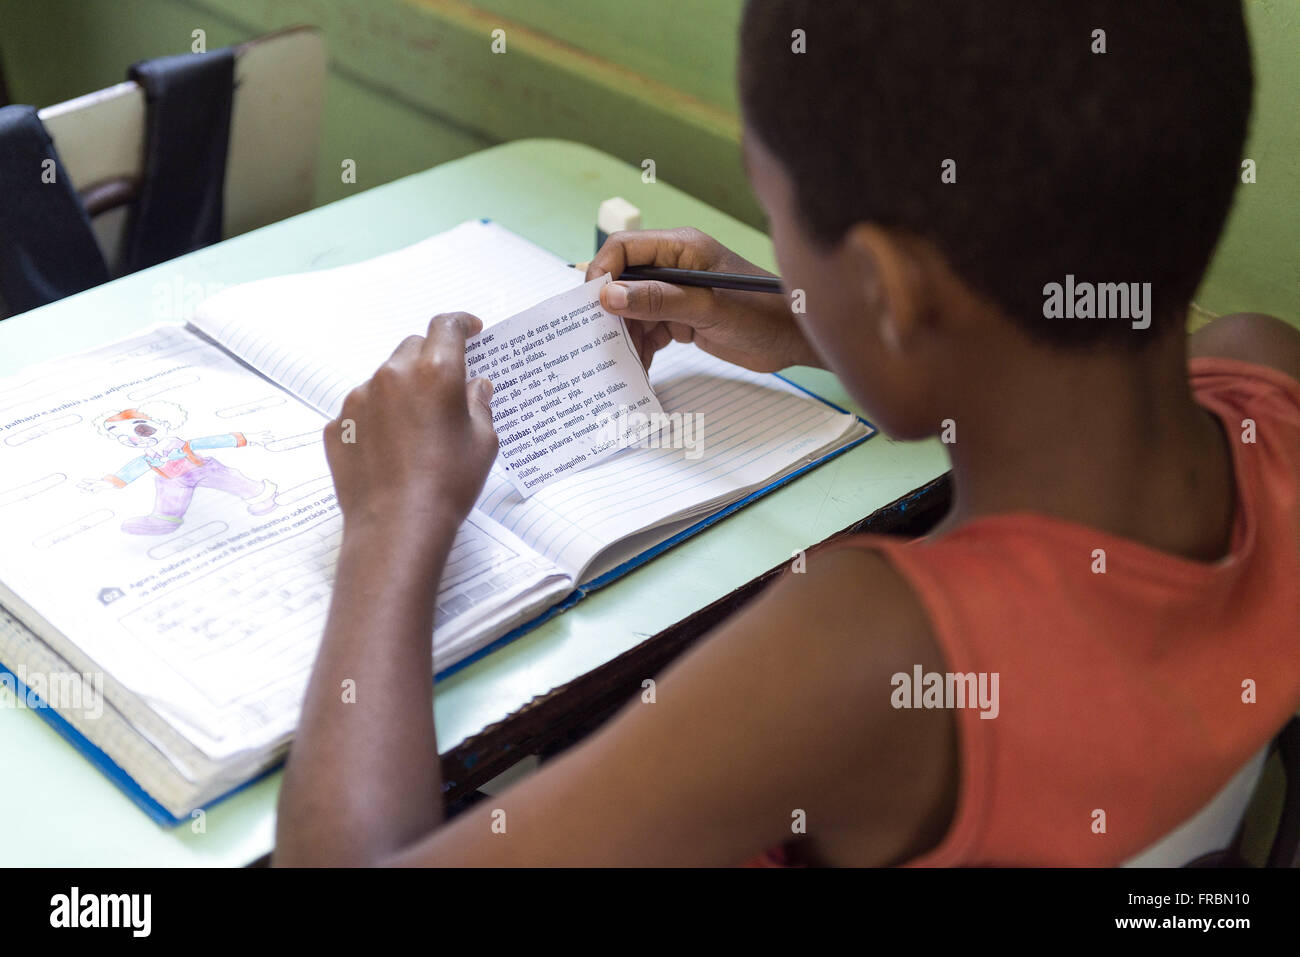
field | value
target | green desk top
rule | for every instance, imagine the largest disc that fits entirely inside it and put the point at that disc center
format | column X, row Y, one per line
column 59, row 810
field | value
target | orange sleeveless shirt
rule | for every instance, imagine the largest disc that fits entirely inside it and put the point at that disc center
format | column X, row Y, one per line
column 1126, row 691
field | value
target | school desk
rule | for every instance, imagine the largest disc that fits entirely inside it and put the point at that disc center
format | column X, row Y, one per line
column 540, row 690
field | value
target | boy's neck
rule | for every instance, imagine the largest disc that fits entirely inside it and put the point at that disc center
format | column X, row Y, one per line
column 1111, row 441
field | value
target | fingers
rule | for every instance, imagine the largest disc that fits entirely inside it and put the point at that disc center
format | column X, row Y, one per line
column 439, row 356
column 421, row 368
column 333, row 435
column 478, row 397
column 445, row 342
column 650, row 338
column 625, row 249
column 658, row 301
column 679, row 331
column 688, row 248
column 430, row 365
column 407, row 349
column 647, row 338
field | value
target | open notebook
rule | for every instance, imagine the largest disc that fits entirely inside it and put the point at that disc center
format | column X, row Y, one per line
column 175, row 654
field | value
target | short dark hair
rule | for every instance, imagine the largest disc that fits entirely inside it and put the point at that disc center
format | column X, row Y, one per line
column 1113, row 167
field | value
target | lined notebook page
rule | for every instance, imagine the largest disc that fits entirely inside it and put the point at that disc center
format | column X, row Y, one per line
column 754, row 429
column 320, row 334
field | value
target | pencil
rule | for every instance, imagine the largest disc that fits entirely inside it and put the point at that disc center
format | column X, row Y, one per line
column 697, row 277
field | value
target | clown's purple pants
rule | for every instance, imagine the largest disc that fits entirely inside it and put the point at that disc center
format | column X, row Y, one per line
column 174, row 494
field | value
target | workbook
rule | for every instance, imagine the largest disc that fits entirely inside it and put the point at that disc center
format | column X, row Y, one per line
column 170, row 529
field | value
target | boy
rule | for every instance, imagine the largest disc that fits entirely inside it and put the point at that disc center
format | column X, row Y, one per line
column 1123, row 548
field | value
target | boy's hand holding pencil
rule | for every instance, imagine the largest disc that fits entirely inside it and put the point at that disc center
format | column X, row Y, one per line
column 735, row 324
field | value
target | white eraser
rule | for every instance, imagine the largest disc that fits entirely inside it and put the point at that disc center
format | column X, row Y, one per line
column 616, row 214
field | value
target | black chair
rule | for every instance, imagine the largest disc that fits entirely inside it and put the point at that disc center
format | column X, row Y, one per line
column 229, row 144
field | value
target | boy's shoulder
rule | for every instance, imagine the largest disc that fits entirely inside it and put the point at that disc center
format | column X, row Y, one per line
column 859, row 589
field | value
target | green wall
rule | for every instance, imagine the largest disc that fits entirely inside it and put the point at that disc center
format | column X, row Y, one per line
column 1257, row 266
column 413, row 83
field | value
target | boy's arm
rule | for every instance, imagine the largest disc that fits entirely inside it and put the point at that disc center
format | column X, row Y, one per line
column 1250, row 337
column 784, row 709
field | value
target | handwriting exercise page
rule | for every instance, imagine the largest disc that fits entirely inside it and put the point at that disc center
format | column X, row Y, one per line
column 173, row 515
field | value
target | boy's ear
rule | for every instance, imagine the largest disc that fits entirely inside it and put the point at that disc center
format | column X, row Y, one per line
column 898, row 297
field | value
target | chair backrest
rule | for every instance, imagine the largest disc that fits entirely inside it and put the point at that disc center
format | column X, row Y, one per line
column 274, row 138
column 1212, row 828
column 1284, row 851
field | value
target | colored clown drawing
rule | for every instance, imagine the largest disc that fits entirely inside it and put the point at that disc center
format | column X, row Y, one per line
column 177, row 465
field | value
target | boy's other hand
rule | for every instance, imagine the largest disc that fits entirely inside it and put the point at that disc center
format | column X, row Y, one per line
column 751, row 329
column 413, row 445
